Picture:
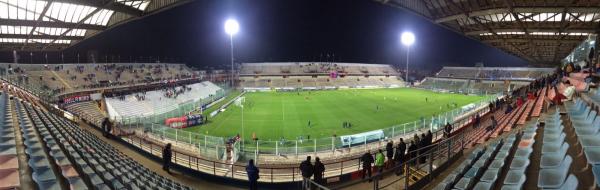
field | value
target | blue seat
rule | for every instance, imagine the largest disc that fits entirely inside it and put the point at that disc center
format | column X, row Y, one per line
column 552, row 147
column 554, row 177
column 490, row 175
column 592, row 154
column 515, row 178
column 553, row 159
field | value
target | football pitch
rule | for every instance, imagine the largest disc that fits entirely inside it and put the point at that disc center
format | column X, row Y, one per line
column 276, row 115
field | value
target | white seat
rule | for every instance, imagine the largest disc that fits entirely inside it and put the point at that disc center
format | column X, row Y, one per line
column 554, row 177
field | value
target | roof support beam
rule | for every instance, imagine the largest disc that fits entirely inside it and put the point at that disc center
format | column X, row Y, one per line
column 40, row 17
column 15, row 22
column 448, row 18
column 117, row 7
column 44, row 36
column 452, row 3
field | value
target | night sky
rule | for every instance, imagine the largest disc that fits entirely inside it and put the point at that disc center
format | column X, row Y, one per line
column 289, row 30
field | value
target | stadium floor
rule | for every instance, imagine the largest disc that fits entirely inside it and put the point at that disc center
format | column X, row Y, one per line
column 276, row 115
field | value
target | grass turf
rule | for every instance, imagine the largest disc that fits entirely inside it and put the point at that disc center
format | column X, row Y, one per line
column 273, row 115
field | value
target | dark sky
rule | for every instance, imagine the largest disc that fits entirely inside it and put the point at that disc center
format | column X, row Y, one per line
column 289, row 30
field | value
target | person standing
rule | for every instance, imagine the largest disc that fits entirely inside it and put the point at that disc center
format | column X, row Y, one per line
column 367, row 160
column 379, row 161
column 412, row 153
column 477, row 121
column 166, row 156
column 389, row 152
column 306, row 168
column 399, row 157
column 447, row 130
column 253, row 174
column 319, row 171
column 105, row 127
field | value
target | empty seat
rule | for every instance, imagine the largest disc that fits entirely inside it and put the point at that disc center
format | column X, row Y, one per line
column 554, row 177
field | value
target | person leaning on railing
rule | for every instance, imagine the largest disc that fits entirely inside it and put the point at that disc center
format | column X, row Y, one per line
column 253, row 174
column 306, row 168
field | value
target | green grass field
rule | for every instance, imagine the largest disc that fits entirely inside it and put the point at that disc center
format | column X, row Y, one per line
column 273, row 115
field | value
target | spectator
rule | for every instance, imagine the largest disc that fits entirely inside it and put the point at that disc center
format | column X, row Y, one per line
column 253, row 174
column 494, row 124
column 423, row 148
column 367, row 160
column 477, row 121
column 411, row 151
column 429, row 137
column 166, row 156
column 306, row 168
column 379, row 161
column 399, row 157
column 319, row 170
column 569, row 90
column 509, row 109
column 106, row 127
column 389, row 151
column 447, row 130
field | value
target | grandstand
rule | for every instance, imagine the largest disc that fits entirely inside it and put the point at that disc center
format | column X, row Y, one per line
column 313, row 75
column 70, row 78
column 483, row 80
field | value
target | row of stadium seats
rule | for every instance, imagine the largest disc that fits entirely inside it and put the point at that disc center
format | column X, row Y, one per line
column 468, row 86
column 483, row 165
column 56, row 146
column 155, row 102
column 482, row 169
column 9, row 163
column 87, row 110
column 81, row 76
column 299, row 82
column 314, row 67
column 586, row 123
column 493, row 72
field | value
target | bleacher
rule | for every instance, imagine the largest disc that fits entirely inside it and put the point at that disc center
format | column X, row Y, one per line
column 73, row 77
column 155, row 102
column 55, row 145
column 317, row 75
column 494, row 73
column 87, row 110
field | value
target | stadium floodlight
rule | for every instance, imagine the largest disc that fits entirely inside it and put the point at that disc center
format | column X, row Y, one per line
column 408, row 39
column 231, row 27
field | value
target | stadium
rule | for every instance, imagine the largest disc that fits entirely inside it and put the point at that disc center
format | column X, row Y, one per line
column 127, row 94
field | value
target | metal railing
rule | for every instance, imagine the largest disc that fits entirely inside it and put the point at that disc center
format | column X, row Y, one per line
column 277, row 173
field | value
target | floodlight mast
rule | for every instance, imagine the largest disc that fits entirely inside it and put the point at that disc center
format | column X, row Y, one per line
column 231, row 27
column 407, row 38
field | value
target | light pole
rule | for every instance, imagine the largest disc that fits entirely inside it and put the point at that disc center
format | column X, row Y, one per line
column 231, row 28
column 407, row 38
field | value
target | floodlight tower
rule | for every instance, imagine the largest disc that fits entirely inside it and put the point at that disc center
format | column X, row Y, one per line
column 407, row 38
column 231, row 27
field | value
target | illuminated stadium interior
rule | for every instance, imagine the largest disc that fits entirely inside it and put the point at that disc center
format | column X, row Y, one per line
column 384, row 94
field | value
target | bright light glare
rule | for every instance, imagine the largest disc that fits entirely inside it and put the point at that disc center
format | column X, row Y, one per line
column 408, row 38
column 231, row 27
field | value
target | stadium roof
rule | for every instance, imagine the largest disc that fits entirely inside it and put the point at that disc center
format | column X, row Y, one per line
column 541, row 31
column 42, row 25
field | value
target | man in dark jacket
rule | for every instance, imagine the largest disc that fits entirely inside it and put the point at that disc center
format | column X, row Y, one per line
column 105, row 127
column 389, row 152
column 306, row 168
column 367, row 160
column 253, row 174
column 447, row 130
column 319, row 171
column 423, row 147
column 399, row 157
column 166, row 156
column 411, row 151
